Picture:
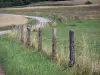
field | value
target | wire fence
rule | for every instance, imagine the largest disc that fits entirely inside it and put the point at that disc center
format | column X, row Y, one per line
column 55, row 46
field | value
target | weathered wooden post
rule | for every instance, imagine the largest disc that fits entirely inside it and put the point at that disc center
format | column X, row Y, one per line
column 71, row 47
column 28, row 41
column 53, row 44
column 40, row 39
column 18, row 32
column 22, row 34
column 50, row 24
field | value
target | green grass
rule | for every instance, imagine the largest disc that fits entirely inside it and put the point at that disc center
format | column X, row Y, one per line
column 87, row 38
column 18, row 60
column 87, row 45
column 31, row 21
column 6, row 27
column 87, row 28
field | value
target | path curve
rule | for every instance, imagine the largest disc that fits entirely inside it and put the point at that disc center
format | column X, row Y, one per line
column 40, row 21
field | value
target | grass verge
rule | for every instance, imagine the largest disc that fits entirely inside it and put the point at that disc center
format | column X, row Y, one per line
column 18, row 60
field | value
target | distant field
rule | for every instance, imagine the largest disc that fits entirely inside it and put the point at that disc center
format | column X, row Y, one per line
column 84, row 20
column 82, row 11
column 66, row 3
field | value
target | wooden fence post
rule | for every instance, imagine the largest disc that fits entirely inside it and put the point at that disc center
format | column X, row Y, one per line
column 40, row 40
column 22, row 34
column 28, row 41
column 53, row 44
column 18, row 32
column 71, row 47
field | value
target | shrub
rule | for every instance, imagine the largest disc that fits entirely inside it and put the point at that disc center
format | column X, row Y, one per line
column 88, row 2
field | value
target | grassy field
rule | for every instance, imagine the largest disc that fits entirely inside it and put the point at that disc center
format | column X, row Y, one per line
column 86, row 27
column 69, row 12
column 87, row 49
column 63, row 3
column 18, row 60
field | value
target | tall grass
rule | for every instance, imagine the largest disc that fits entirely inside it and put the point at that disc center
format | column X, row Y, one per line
column 18, row 60
column 86, row 45
column 87, row 49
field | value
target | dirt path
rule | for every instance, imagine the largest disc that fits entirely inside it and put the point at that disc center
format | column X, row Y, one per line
column 40, row 21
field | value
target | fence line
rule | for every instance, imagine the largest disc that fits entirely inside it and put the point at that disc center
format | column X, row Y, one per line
column 28, row 42
column 40, row 40
column 53, row 44
column 54, row 38
column 71, row 47
column 22, row 34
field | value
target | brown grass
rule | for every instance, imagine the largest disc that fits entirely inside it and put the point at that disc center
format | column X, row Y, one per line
column 8, row 20
column 81, row 11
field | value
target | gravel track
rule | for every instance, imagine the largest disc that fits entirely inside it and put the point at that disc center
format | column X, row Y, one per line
column 40, row 21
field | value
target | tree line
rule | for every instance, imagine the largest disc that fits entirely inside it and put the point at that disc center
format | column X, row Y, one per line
column 8, row 3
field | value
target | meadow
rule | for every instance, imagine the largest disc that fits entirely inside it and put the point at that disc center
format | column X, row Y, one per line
column 63, row 3
column 87, row 53
column 18, row 60
column 84, row 20
column 82, row 11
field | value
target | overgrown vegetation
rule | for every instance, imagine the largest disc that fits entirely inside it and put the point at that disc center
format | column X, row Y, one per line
column 87, row 29
column 31, row 21
column 86, row 45
column 18, row 60
column 87, row 51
